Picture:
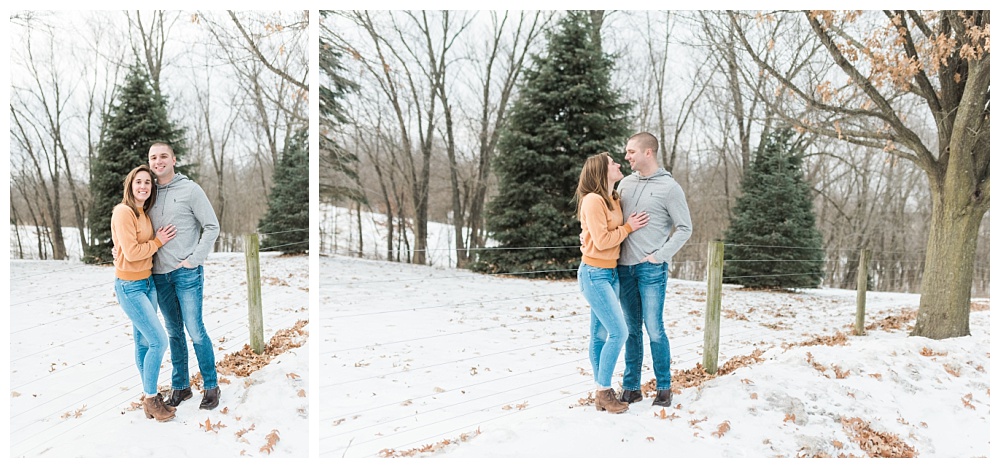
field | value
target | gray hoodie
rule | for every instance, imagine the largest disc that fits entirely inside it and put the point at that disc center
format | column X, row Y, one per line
column 662, row 198
column 183, row 203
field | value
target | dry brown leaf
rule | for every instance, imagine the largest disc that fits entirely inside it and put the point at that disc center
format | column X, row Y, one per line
column 952, row 370
column 242, row 432
column 271, row 438
column 695, row 422
column 838, row 444
column 301, row 393
column 753, row 396
column 650, row 438
column 966, row 400
column 209, row 427
column 337, row 422
column 224, row 410
column 789, row 417
column 292, row 375
column 723, row 429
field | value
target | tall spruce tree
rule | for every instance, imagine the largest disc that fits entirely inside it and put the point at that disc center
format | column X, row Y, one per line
column 285, row 227
column 338, row 176
column 566, row 111
column 138, row 119
column 773, row 241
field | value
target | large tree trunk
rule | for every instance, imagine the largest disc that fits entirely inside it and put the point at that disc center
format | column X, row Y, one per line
column 945, row 291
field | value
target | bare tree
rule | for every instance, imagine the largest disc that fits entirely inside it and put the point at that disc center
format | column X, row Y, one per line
column 27, row 134
column 500, row 67
column 941, row 60
column 412, row 95
column 149, row 41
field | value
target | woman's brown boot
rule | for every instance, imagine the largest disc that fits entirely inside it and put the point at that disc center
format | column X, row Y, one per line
column 155, row 408
column 605, row 400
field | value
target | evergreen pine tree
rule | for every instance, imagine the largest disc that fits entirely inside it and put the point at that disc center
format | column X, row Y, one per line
column 566, row 111
column 138, row 119
column 285, row 227
column 338, row 177
column 773, row 241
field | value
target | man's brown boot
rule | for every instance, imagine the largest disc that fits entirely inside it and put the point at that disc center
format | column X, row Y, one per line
column 605, row 400
column 155, row 408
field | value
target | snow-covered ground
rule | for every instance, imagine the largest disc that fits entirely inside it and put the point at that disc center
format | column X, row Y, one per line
column 435, row 362
column 74, row 384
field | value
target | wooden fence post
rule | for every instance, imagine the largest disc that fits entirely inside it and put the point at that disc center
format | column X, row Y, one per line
column 859, row 319
column 252, row 248
column 713, row 305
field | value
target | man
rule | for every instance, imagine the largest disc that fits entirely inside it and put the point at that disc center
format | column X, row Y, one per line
column 642, row 265
column 179, row 275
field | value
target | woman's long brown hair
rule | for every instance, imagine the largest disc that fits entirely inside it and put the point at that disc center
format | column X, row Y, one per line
column 129, row 199
column 594, row 179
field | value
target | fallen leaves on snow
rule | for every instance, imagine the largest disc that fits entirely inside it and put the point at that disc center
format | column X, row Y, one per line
column 875, row 443
column 209, row 427
column 723, row 429
column 271, row 438
column 429, row 448
column 74, row 414
column 244, row 362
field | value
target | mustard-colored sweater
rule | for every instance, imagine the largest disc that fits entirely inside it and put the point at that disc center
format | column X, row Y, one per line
column 603, row 231
column 136, row 243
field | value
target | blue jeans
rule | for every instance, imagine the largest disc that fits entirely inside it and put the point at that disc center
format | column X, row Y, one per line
column 643, row 290
column 180, row 295
column 138, row 300
column 607, row 326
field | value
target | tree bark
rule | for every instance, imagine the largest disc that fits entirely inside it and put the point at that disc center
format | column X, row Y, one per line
column 945, row 292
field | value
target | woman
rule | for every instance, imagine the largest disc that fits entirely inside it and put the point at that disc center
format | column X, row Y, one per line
column 600, row 214
column 132, row 233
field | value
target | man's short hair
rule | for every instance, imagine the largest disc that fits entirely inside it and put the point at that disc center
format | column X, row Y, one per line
column 645, row 140
column 162, row 143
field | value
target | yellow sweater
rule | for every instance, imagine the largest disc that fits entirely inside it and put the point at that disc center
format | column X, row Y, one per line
column 136, row 243
column 603, row 231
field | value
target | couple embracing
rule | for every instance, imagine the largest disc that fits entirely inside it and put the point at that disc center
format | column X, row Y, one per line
column 623, row 271
column 162, row 232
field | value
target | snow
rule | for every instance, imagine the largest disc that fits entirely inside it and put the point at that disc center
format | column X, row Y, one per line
column 412, row 356
column 73, row 378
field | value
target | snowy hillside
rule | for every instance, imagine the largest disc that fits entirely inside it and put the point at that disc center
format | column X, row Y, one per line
column 431, row 362
column 74, row 386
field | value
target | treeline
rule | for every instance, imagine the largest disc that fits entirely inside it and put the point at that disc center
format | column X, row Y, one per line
column 866, row 92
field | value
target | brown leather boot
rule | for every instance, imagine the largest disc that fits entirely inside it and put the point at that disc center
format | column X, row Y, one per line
column 155, row 408
column 605, row 400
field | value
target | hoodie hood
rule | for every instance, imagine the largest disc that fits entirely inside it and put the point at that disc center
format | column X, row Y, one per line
column 175, row 182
